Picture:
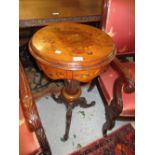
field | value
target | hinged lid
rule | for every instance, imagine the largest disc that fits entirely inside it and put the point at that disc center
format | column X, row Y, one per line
column 73, row 45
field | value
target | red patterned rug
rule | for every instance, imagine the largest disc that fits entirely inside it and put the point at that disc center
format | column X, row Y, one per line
column 120, row 142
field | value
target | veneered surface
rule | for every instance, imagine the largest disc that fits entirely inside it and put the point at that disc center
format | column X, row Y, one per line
column 72, row 51
column 45, row 9
column 72, row 44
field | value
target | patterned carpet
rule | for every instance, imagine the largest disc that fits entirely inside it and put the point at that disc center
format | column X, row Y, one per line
column 37, row 80
column 120, row 142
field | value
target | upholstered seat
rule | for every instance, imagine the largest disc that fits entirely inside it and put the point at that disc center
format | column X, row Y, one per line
column 107, row 80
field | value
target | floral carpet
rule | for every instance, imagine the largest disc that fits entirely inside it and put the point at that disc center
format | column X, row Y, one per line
column 120, row 142
column 37, row 80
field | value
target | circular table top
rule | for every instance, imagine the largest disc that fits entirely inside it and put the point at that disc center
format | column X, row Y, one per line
column 72, row 45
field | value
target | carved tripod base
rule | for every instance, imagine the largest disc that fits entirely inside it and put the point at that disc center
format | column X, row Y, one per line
column 70, row 96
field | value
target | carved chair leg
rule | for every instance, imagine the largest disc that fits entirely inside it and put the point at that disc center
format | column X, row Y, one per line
column 110, row 119
column 115, row 108
column 43, row 141
column 83, row 103
column 68, row 121
column 31, row 113
column 112, row 113
column 106, row 126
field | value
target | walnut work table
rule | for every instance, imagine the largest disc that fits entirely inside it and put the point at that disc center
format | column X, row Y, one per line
column 73, row 52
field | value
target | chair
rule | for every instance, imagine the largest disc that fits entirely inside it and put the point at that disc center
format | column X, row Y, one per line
column 32, row 138
column 117, row 82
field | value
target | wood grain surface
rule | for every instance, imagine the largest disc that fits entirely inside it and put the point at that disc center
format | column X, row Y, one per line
column 79, row 49
column 43, row 12
column 38, row 9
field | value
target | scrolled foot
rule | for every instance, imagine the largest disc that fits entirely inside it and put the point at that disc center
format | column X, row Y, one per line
column 64, row 138
column 104, row 129
column 107, row 126
column 83, row 103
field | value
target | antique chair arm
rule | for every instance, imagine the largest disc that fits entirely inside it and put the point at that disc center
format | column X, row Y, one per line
column 30, row 111
column 28, row 106
column 129, row 81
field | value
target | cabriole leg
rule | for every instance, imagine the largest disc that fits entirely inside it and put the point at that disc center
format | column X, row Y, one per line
column 68, row 121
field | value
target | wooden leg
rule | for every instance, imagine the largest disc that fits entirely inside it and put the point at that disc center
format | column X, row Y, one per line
column 68, row 121
column 116, row 106
column 70, row 96
column 43, row 141
column 31, row 113
column 83, row 103
column 111, row 115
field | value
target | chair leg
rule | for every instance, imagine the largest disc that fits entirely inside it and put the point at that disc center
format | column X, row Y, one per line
column 112, row 113
column 43, row 141
column 116, row 106
column 110, row 120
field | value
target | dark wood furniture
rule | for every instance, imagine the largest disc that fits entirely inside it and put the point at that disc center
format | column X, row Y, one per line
column 75, row 53
column 117, row 83
column 33, row 123
column 40, row 13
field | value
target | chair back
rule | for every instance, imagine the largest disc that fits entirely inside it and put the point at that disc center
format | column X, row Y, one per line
column 118, row 20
